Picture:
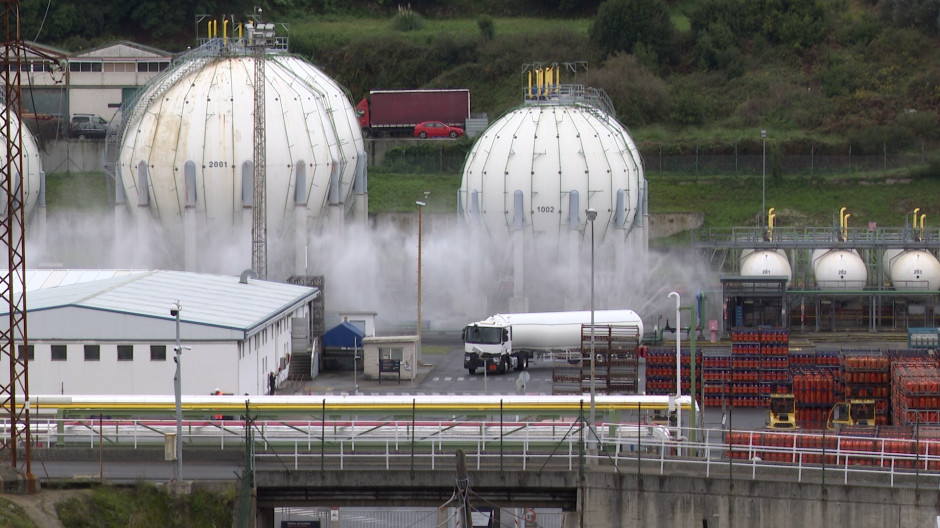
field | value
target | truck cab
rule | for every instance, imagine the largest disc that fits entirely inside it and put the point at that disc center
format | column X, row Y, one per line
column 486, row 346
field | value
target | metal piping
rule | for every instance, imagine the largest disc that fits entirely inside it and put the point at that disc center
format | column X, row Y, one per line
column 518, row 214
column 573, row 208
column 189, row 171
column 300, row 186
column 143, row 186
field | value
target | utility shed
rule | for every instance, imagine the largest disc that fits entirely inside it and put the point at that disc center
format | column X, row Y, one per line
column 110, row 332
column 391, row 357
column 341, row 344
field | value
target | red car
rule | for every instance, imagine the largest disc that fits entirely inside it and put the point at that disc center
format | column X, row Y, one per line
column 437, row 129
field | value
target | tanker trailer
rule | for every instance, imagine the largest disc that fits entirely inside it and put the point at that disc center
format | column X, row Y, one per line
column 505, row 341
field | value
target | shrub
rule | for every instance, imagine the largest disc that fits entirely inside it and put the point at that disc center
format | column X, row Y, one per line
column 622, row 24
column 407, row 20
column 639, row 96
column 487, row 27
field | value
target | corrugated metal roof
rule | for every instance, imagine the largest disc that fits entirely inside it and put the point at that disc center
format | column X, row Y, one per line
column 217, row 300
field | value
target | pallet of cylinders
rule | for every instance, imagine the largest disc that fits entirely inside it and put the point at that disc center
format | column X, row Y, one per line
column 566, row 373
column 661, row 370
column 866, row 374
column 774, row 362
column 915, row 391
column 716, row 377
column 745, row 367
column 814, row 393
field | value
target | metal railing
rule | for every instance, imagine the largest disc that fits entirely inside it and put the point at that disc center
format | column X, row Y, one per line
column 560, row 445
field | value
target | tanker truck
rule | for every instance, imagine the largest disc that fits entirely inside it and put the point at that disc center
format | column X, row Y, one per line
column 506, row 341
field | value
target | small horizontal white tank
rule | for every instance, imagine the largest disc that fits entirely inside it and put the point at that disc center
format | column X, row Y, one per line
column 839, row 269
column 32, row 168
column 766, row 263
column 912, row 269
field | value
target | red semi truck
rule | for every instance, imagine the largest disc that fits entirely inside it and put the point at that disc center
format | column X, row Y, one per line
column 396, row 112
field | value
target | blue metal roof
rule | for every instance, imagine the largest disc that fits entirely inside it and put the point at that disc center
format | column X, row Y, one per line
column 343, row 335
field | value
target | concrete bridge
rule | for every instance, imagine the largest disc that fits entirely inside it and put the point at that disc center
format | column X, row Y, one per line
column 616, row 480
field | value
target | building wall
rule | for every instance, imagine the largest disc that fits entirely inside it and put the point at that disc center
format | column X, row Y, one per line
column 205, row 366
column 265, row 352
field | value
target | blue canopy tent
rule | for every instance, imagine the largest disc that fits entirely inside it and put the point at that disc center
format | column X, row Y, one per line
column 339, row 345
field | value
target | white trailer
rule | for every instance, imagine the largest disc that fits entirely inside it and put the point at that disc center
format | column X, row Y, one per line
column 505, row 341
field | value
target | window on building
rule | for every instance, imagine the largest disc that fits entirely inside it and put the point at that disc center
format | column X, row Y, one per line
column 92, row 352
column 125, row 353
column 391, row 353
column 85, row 66
column 157, row 352
column 157, row 66
column 29, row 350
column 59, row 353
column 120, row 67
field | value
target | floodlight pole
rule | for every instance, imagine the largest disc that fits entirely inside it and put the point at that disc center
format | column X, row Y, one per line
column 177, row 388
column 591, row 215
column 678, row 364
column 763, row 190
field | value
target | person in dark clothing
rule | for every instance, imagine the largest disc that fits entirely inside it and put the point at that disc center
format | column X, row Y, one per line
column 272, row 383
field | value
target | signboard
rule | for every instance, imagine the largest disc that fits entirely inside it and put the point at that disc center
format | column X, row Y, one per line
column 390, row 366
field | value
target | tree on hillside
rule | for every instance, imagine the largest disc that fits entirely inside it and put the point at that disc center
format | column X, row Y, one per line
column 921, row 14
column 633, row 26
column 794, row 23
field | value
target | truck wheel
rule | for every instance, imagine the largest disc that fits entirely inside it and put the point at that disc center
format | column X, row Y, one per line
column 423, row 135
column 366, row 132
column 471, row 371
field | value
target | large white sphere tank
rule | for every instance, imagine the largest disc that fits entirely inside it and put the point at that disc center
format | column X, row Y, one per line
column 765, row 263
column 912, row 269
column 839, row 269
column 540, row 166
column 32, row 169
column 191, row 145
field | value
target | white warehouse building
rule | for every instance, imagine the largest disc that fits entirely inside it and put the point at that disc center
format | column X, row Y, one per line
column 111, row 331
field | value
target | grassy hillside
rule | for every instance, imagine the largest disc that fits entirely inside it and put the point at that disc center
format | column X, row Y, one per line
column 864, row 81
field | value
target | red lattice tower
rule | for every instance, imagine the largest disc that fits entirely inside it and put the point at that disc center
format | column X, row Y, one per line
column 15, row 444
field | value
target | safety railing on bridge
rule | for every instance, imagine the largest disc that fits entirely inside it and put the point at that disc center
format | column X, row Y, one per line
column 800, row 456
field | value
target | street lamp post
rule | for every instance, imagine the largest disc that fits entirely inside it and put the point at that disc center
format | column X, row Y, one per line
column 678, row 364
column 177, row 389
column 591, row 215
column 763, row 160
column 420, row 205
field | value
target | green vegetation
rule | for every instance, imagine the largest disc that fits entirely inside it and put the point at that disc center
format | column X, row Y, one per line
column 77, row 190
column 12, row 516
column 146, row 506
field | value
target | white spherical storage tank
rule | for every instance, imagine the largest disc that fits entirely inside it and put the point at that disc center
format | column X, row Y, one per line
column 31, row 172
column 766, row 263
column 912, row 269
column 527, row 185
column 187, row 149
column 839, row 269
column 540, row 166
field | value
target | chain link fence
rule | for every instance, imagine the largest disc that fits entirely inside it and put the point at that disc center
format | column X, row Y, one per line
column 450, row 160
column 783, row 164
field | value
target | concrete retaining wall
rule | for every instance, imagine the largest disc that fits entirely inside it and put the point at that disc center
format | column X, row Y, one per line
column 73, row 155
